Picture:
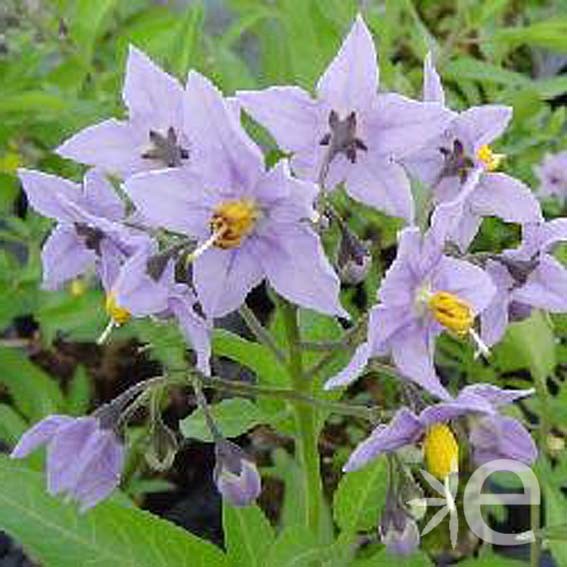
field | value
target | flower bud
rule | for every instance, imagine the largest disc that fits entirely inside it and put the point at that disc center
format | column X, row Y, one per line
column 398, row 530
column 235, row 475
column 353, row 258
column 163, row 446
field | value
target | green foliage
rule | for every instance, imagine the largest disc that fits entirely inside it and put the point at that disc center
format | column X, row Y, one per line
column 110, row 535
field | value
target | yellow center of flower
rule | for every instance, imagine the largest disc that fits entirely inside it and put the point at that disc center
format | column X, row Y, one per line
column 490, row 160
column 77, row 287
column 118, row 314
column 441, row 451
column 452, row 312
column 232, row 221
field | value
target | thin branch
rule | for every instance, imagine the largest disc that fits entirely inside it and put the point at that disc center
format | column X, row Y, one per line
column 261, row 333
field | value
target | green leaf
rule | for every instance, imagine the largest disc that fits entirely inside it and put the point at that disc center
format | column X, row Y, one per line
column 385, row 559
column 34, row 392
column 360, row 497
column 248, row 535
column 532, row 342
column 12, row 425
column 107, row 536
column 492, row 560
column 233, row 417
column 476, row 70
column 550, row 34
column 185, row 42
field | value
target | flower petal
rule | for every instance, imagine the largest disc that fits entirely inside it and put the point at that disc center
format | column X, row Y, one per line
column 404, row 429
column 432, row 86
column 101, row 198
column 64, row 256
column 353, row 369
column 351, row 80
column 480, row 125
column 112, row 145
column 220, row 148
column 40, row 434
column 382, row 184
column 288, row 113
column 297, row 268
column 223, row 278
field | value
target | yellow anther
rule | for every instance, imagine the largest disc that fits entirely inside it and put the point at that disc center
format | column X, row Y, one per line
column 441, row 451
column 490, row 160
column 118, row 314
column 77, row 287
column 232, row 221
column 452, row 312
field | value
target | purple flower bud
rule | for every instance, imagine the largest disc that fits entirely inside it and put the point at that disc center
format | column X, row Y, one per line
column 235, row 475
column 353, row 258
column 398, row 530
column 84, row 459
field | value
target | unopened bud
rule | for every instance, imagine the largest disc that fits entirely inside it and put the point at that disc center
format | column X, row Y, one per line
column 235, row 474
column 353, row 259
column 398, row 529
column 163, row 446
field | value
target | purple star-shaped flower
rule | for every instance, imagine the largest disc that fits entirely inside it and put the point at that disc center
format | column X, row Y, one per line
column 492, row 435
column 423, row 293
column 146, row 286
column 357, row 132
column 88, row 233
column 250, row 224
column 151, row 137
column 525, row 278
column 552, row 174
column 448, row 160
column 84, row 459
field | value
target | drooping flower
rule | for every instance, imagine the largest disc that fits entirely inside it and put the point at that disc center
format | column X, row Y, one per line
column 525, row 278
column 552, row 174
column 423, row 293
column 146, row 286
column 88, row 233
column 492, row 435
column 235, row 474
column 250, row 224
column 350, row 132
column 464, row 147
column 151, row 137
column 84, row 458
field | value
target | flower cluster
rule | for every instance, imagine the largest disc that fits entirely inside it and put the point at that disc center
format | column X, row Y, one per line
column 193, row 174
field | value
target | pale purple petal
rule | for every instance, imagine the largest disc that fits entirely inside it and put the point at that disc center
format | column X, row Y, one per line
column 353, row 369
column 496, row 191
column 151, row 95
column 495, row 395
column 296, row 266
column 64, row 256
column 404, row 429
column 40, row 434
column 494, row 319
column 412, row 351
column 432, row 86
column 463, row 232
column 45, row 192
column 552, row 174
column 112, row 145
column 545, row 288
column 100, row 197
column 220, row 148
column 467, row 402
column 173, row 198
column 288, row 113
column 351, row 80
column 223, row 278
column 382, row 184
column 398, row 126
column 465, row 280
column 480, row 125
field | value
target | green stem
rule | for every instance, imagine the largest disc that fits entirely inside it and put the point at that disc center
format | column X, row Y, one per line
column 306, row 419
column 260, row 332
column 535, row 547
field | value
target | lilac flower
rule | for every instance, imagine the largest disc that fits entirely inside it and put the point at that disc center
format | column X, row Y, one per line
column 84, row 459
column 525, row 278
column 552, row 174
column 358, row 133
column 492, row 435
column 150, row 138
column 88, row 232
column 146, row 286
column 449, row 159
column 250, row 224
column 423, row 293
column 235, row 475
